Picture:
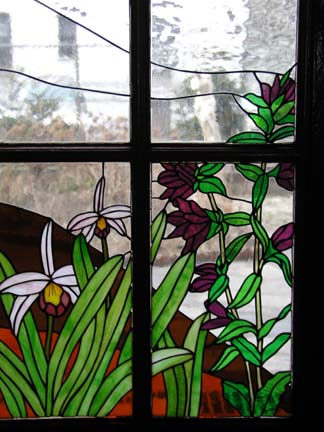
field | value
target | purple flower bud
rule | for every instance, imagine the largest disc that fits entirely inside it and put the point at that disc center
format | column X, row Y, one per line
column 207, row 276
column 285, row 177
column 282, row 238
column 217, row 309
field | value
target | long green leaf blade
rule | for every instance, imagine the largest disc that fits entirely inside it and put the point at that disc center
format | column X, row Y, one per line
column 168, row 297
column 115, row 321
column 84, row 310
column 28, row 336
column 119, row 382
column 158, row 228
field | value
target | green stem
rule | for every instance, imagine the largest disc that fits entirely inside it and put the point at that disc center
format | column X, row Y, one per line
column 258, row 301
column 105, row 251
column 229, row 298
column 49, row 333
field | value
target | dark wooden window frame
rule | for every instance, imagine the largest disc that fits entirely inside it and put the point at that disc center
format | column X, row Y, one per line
column 140, row 152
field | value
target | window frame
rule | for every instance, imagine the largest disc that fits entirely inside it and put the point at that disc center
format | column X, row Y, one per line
column 141, row 153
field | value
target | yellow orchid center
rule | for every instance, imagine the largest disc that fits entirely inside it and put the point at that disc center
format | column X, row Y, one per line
column 53, row 293
column 101, row 224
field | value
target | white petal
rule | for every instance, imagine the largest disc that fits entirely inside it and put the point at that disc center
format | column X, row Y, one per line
column 46, row 249
column 65, row 276
column 116, row 212
column 74, row 292
column 88, row 232
column 19, row 309
column 24, row 283
column 98, row 200
column 119, row 226
column 82, row 220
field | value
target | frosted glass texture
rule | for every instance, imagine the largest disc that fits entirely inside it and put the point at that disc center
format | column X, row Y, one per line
column 231, row 38
column 64, row 80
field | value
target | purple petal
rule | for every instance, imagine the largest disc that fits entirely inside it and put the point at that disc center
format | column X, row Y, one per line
column 266, row 91
column 206, row 269
column 215, row 323
column 216, row 308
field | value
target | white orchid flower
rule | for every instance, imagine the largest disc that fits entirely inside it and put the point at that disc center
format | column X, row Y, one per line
column 99, row 221
column 56, row 288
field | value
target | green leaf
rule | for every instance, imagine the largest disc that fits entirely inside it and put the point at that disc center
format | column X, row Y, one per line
column 290, row 118
column 218, row 287
column 266, row 114
column 283, row 111
column 284, row 263
column 248, row 351
column 268, row 325
column 212, row 185
column 9, row 371
column 259, row 191
column 247, row 291
column 214, row 229
column 237, row 218
column 116, row 319
column 119, row 382
column 228, row 355
column 238, row 396
column 82, row 263
column 275, row 346
column 282, row 133
column 28, row 336
column 170, row 294
column 260, row 232
column 249, row 171
column 236, row 245
column 210, row 169
column 84, row 310
column 256, row 100
column 195, row 342
column 157, row 232
column 234, row 329
column 175, row 382
column 285, row 77
column 268, row 397
column 248, row 138
column 277, row 103
column 12, row 397
column 259, row 122
column 127, row 349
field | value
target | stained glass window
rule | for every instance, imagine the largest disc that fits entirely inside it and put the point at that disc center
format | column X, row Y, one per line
column 155, row 179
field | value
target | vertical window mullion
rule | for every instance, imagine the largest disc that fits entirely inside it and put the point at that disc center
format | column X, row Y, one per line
column 140, row 176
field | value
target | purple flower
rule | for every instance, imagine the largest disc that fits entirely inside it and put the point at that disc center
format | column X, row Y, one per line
column 282, row 238
column 271, row 93
column 220, row 312
column 285, row 177
column 192, row 224
column 207, row 277
column 179, row 180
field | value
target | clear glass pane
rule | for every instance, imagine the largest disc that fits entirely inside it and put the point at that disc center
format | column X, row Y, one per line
column 230, row 43
column 222, row 238
column 64, row 80
column 65, row 290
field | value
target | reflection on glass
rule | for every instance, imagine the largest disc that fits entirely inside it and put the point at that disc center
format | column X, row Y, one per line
column 221, row 239
column 231, row 43
column 61, row 78
column 65, row 290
